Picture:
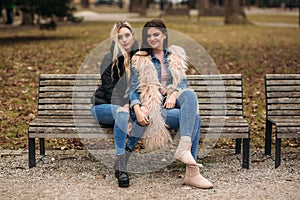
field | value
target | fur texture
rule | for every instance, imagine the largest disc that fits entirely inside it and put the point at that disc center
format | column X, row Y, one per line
column 156, row 135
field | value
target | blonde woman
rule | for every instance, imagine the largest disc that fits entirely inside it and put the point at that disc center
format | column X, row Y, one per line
column 110, row 101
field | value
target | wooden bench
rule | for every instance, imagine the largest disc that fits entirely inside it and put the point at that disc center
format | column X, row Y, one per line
column 64, row 110
column 282, row 110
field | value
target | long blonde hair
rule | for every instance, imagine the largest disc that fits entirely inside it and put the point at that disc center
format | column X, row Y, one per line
column 114, row 36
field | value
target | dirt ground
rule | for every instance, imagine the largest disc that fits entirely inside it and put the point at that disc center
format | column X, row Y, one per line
column 78, row 175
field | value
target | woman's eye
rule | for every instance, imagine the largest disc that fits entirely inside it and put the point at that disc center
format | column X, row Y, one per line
column 148, row 36
column 156, row 34
column 120, row 37
column 127, row 35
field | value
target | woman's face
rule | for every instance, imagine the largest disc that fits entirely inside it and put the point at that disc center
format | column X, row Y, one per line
column 155, row 38
column 125, row 38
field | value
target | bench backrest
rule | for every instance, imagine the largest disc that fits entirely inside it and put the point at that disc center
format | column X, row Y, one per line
column 68, row 95
column 282, row 95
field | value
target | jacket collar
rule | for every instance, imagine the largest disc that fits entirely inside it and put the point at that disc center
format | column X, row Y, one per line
column 167, row 52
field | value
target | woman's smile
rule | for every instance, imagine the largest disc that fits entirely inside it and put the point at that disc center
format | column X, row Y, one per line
column 155, row 38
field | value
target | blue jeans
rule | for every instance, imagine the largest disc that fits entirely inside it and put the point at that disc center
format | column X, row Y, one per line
column 108, row 114
column 184, row 117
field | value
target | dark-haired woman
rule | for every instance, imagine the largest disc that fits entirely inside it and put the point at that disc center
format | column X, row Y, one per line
column 160, row 99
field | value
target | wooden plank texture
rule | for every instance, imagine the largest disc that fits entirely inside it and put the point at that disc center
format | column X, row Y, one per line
column 64, row 105
column 283, row 103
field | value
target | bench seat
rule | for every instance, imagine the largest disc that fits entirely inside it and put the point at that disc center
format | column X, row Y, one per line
column 64, row 110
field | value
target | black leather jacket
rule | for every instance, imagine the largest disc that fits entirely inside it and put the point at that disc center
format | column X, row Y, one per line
column 113, row 89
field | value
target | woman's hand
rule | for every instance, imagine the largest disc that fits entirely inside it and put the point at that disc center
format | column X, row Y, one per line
column 170, row 101
column 142, row 115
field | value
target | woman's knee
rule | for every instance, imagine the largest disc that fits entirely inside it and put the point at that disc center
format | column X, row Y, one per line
column 188, row 95
column 122, row 115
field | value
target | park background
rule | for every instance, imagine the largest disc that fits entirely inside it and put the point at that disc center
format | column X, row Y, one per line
column 268, row 42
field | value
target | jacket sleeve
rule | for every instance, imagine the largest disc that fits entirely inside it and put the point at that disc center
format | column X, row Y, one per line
column 183, row 84
column 134, row 95
column 106, row 79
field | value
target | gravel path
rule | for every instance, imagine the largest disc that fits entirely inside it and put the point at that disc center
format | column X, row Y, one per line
column 77, row 175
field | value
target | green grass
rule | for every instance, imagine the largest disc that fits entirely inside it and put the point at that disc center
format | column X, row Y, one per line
column 274, row 18
column 26, row 52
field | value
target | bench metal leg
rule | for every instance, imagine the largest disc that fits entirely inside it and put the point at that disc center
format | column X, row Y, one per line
column 238, row 143
column 42, row 146
column 31, row 151
column 277, row 152
column 246, row 152
column 268, row 139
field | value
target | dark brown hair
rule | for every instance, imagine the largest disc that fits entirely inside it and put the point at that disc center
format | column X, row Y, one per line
column 154, row 23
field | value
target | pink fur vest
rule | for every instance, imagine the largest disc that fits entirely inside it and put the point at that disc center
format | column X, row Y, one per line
column 156, row 135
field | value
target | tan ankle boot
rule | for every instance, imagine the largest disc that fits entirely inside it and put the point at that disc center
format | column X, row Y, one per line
column 193, row 178
column 183, row 153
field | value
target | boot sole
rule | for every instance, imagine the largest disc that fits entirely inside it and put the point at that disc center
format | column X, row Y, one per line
column 123, row 183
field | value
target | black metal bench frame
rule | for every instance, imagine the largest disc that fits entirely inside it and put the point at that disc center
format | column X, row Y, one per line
column 282, row 110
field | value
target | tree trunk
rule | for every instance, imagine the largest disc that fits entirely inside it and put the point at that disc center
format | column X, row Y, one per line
column 27, row 18
column 234, row 12
column 133, row 5
column 85, row 3
column 202, row 5
column 139, row 6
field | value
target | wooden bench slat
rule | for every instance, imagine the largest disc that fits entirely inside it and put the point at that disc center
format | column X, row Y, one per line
column 219, row 101
column 291, row 107
column 220, row 107
column 289, row 88
column 218, row 95
column 288, row 130
column 284, row 113
column 273, row 95
column 282, row 76
column 228, row 136
column 220, row 113
column 63, row 113
column 215, row 77
column 70, row 76
column 216, row 88
column 64, row 101
column 67, row 89
column 69, row 82
column 283, row 82
column 214, row 82
column 71, row 135
column 284, row 118
column 66, row 94
column 288, row 124
column 284, row 100
column 70, row 130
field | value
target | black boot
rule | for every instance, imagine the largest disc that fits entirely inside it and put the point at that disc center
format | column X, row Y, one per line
column 120, row 168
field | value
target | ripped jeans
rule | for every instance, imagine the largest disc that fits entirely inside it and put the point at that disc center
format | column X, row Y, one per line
column 108, row 114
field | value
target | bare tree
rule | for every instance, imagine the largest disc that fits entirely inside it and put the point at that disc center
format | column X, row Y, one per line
column 234, row 12
column 202, row 5
column 85, row 3
column 139, row 6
